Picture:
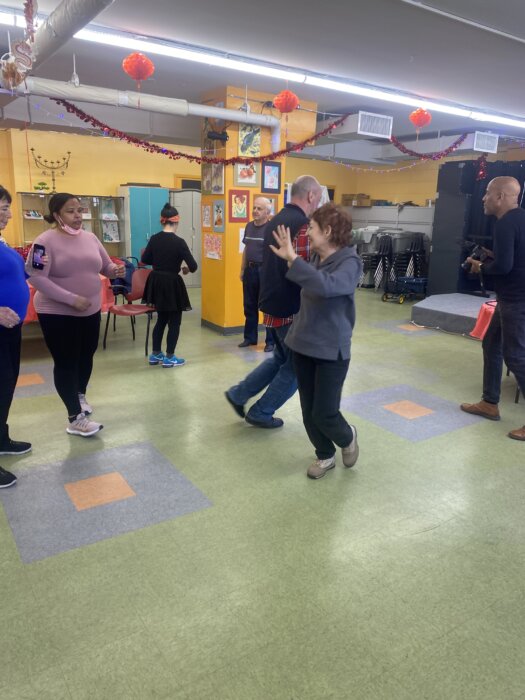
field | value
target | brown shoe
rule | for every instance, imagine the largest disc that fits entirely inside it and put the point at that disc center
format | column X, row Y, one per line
column 483, row 409
column 518, row 434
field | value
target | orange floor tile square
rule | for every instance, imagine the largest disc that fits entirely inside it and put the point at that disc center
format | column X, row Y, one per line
column 30, row 379
column 98, row 490
column 410, row 327
column 408, row 409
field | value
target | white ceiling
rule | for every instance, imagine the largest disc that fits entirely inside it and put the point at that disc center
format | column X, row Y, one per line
column 387, row 43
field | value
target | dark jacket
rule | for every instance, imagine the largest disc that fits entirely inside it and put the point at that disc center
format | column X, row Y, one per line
column 323, row 327
column 279, row 296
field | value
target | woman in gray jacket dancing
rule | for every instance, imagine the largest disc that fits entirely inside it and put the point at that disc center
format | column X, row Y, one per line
column 321, row 333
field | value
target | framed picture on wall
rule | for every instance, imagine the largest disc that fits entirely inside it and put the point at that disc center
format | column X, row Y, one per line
column 249, row 140
column 218, row 215
column 206, row 216
column 217, row 178
column 246, row 175
column 271, row 177
column 206, row 178
column 239, row 206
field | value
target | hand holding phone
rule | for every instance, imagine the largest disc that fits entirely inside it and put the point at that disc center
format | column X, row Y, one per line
column 39, row 252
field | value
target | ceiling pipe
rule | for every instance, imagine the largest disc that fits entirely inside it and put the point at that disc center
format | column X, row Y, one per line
column 55, row 89
column 62, row 24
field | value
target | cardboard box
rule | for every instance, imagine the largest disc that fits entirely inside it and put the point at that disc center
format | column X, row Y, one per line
column 356, row 200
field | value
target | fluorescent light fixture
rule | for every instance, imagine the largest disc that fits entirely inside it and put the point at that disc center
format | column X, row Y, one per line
column 210, row 59
column 7, row 18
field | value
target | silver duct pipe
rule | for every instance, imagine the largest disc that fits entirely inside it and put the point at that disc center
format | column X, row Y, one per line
column 62, row 24
column 150, row 103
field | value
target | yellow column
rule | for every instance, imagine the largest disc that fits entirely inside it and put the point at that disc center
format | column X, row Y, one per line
column 222, row 307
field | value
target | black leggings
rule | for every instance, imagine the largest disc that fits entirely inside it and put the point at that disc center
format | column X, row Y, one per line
column 172, row 319
column 9, row 369
column 72, row 342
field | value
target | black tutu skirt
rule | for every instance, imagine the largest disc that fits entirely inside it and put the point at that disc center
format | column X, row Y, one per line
column 166, row 291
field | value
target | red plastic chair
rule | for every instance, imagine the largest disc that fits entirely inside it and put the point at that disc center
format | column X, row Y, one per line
column 131, row 310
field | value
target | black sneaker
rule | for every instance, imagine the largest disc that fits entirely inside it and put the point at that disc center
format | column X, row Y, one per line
column 6, row 479
column 12, row 447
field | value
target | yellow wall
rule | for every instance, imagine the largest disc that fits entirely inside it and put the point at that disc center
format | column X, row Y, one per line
column 222, row 298
column 97, row 166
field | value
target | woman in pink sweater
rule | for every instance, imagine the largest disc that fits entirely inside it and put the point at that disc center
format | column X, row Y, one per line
column 67, row 301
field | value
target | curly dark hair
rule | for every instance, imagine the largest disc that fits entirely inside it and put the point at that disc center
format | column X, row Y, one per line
column 340, row 222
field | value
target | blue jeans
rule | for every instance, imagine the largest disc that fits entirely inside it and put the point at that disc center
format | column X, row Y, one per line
column 504, row 341
column 276, row 373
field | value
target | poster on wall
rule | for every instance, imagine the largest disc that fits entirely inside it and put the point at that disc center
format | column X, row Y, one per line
column 110, row 232
column 206, row 216
column 217, row 178
column 206, row 178
column 271, row 177
column 212, row 246
column 241, row 239
column 239, row 206
column 249, row 140
column 246, row 175
column 218, row 215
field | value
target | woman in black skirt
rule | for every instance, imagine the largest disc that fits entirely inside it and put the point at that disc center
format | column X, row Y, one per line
column 165, row 288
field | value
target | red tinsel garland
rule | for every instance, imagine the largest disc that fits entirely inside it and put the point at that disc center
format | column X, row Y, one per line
column 481, row 162
column 438, row 155
column 177, row 155
column 29, row 14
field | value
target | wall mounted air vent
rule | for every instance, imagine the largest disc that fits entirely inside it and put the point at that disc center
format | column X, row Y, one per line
column 485, row 142
column 364, row 124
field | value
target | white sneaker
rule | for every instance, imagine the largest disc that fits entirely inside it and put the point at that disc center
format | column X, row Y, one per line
column 351, row 452
column 319, row 468
column 86, row 408
column 83, row 426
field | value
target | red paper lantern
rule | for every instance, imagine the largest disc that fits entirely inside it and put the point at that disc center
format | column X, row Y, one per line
column 138, row 66
column 286, row 101
column 420, row 118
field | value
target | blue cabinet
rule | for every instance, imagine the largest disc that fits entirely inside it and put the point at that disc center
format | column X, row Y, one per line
column 143, row 207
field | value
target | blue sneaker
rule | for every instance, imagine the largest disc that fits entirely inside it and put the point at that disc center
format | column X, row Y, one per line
column 172, row 361
column 156, row 358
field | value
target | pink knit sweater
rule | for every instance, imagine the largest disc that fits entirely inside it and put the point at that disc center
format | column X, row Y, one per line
column 73, row 270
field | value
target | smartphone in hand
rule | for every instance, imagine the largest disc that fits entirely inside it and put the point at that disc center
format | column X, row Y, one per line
column 38, row 253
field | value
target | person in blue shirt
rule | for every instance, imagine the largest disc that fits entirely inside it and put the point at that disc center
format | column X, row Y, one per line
column 14, row 298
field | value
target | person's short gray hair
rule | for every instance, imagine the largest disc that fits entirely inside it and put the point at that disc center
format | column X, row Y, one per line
column 303, row 185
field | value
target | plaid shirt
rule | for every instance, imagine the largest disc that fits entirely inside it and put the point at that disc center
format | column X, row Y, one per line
column 301, row 244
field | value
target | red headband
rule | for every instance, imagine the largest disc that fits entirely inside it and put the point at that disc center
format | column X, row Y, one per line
column 170, row 220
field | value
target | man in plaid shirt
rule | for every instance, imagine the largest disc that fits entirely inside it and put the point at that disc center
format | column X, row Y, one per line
column 279, row 300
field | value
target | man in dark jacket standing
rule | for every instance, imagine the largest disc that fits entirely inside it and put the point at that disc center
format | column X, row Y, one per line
column 279, row 300
column 505, row 336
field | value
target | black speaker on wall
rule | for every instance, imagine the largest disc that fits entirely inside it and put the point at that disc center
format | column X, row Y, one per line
column 447, row 253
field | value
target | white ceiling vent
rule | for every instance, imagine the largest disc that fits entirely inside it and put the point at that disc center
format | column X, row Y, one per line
column 483, row 141
column 364, row 124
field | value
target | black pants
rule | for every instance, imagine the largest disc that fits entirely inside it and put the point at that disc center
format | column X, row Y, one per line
column 250, row 291
column 320, row 384
column 504, row 340
column 10, row 343
column 172, row 319
column 72, row 342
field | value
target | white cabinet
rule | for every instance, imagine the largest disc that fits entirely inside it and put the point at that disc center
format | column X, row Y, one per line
column 188, row 204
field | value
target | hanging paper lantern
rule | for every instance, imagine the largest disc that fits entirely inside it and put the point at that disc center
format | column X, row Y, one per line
column 286, row 101
column 420, row 118
column 138, row 66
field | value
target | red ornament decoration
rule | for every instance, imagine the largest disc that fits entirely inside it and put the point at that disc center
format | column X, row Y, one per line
column 420, row 118
column 481, row 162
column 139, row 67
column 286, row 101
